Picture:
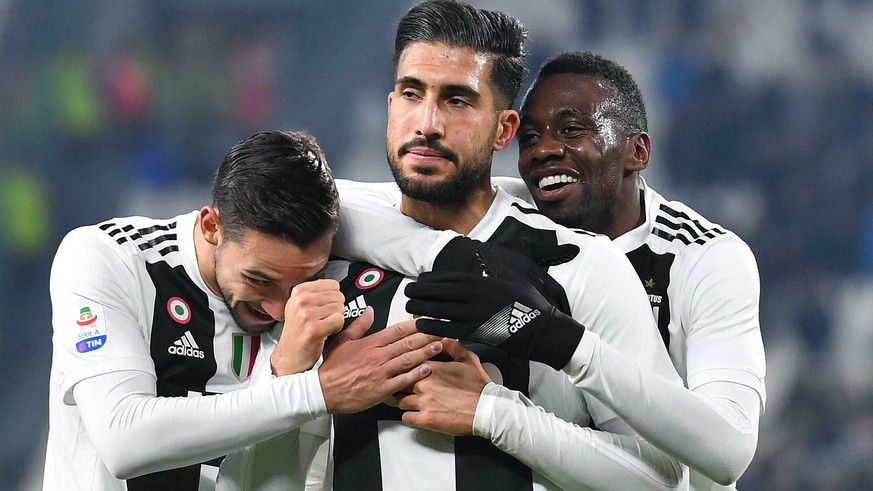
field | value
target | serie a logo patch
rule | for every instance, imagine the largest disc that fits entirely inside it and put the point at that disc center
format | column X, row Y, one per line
column 90, row 327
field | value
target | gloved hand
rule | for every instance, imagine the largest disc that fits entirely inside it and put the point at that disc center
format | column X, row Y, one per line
column 494, row 311
column 526, row 259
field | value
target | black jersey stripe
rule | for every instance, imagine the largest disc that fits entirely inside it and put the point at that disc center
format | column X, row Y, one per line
column 526, row 210
column 113, row 230
column 687, row 230
column 685, row 240
column 146, row 231
column 148, row 244
column 686, row 221
column 167, row 250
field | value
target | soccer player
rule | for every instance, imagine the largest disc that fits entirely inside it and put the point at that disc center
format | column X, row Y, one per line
column 157, row 322
column 513, row 418
column 583, row 142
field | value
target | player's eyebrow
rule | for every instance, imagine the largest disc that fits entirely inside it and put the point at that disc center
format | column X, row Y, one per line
column 454, row 89
column 260, row 274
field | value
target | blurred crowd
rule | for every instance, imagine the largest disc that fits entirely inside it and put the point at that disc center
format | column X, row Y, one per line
column 761, row 115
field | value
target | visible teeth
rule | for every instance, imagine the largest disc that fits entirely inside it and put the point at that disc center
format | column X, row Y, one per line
column 557, row 179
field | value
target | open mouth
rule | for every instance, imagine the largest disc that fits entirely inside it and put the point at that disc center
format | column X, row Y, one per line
column 258, row 314
column 557, row 181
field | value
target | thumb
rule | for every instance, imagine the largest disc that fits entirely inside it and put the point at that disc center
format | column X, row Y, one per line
column 455, row 349
column 358, row 327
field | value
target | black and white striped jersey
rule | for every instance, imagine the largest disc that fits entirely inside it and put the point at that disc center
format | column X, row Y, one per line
column 128, row 296
column 531, row 424
column 703, row 287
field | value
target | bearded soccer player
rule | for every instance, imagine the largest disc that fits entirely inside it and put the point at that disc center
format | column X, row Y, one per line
column 507, row 414
column 157, row 323
column 583, row 142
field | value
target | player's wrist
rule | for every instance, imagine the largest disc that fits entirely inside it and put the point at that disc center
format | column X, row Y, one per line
column 557, row 341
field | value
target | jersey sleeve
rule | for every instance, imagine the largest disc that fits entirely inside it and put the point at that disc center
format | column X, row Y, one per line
column 121, row 408
column 609, row 300
column 372, row 230
column 724, row 334
column 714, row 426
column 571, row 456
column 94, row 311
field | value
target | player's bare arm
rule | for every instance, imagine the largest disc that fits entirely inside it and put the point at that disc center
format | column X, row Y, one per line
column 313, row 312
column 359, row 372
column 446, row 400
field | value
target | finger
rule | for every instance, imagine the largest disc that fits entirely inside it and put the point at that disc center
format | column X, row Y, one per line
column 408, row 402
column 456, row 309
column 410, row 343
column 456, row 350
column 441, row 328
column 357, row 328
column 406, row 379
column 407, row 361
column 394, row 332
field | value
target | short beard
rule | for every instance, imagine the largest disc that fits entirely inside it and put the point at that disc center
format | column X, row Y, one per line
column 454, row 190
column 227, row 304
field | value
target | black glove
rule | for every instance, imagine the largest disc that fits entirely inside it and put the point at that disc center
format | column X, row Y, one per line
column 494, row 311
column 524, row 258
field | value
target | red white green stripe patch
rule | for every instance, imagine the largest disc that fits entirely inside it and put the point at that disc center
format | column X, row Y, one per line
column 245, row 351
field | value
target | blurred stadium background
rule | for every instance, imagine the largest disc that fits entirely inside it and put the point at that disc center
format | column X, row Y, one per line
column 761, row 114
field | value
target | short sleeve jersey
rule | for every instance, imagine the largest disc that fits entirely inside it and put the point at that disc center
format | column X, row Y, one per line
column 127, row 295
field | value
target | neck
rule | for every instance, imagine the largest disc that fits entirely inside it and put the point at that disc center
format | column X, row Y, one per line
column 460, row 217
column 631, row 210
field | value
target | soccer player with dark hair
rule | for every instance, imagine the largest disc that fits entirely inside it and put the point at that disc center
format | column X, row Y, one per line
column 157, row 323
column 500, row 411
column 583, row 142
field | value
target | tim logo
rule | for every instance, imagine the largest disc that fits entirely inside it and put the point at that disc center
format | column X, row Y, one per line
column 91, row 344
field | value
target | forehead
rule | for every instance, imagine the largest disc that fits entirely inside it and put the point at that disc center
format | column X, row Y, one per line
column 565, row 91
column 440, row 64
column 278, row 258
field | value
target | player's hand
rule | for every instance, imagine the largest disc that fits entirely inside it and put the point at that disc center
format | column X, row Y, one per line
column 359, row 372
column 446, row 400
column 496, row 312
column 313, row 312
column 525, row 259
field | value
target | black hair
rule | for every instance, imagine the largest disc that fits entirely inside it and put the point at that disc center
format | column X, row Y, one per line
column 629, row 110
column 461, row 25
column 277, row 183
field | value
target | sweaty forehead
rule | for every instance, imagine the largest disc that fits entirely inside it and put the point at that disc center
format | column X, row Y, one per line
column 565, row 94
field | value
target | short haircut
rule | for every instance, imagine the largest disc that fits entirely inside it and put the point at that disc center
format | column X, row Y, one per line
column 277, row 183
column 460, row 25
column 628, row 110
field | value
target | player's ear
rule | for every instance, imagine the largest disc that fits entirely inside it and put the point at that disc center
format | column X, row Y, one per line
column 639, row 149
column 507, row 125
column 210, row 224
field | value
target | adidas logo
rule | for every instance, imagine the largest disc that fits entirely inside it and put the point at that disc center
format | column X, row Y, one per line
column 355, row 307
column 520, row 316
column 186, row 346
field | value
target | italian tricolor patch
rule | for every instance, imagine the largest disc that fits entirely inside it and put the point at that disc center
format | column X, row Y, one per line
column 245, row 350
